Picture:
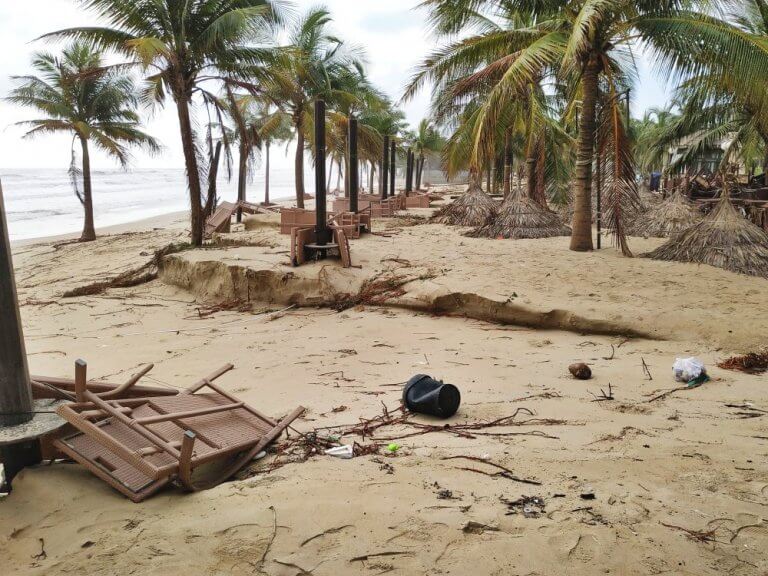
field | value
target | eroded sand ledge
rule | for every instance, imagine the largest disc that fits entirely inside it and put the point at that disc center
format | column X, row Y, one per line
column 216, row 282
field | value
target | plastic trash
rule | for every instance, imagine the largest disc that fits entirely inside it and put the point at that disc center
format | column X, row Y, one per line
column 688, row 369
column 425, row 395
column 393, row 448
column 346, row 452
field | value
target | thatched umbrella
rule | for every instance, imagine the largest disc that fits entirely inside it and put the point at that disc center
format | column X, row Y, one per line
column 473, row 208
column 522, row 217
column 724, row 239
column 664, row 220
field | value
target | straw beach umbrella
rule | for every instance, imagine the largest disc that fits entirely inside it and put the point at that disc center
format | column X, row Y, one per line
column 522, row 217
column 672, row 216
column 724, row 239
column 473, row 208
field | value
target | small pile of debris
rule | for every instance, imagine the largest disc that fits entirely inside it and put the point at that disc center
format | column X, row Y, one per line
column 528, row 506
column 752, row 363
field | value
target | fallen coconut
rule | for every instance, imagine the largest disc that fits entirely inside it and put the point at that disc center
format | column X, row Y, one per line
column 580, row 371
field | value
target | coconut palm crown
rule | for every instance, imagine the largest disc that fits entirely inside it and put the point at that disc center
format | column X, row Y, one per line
column 76, row 94
column 187, row 49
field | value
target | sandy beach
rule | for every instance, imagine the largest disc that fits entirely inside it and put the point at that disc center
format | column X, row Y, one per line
column 643, row 484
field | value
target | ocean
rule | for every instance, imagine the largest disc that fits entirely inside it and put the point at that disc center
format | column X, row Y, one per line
column 41, row 202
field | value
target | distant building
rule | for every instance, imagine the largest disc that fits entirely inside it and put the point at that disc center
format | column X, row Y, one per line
column 707, row 160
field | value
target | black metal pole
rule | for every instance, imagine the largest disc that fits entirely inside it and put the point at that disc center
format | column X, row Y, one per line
column 393, row 169
column 321, row 223
column 599, row 186
column 15, row 390
column 354, row 165
column 409, row 172
column 385, row 168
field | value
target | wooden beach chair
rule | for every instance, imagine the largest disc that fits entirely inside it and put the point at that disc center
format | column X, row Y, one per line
column 140, row 445
column 221, row 220
column 291, row 218
column 303, row 246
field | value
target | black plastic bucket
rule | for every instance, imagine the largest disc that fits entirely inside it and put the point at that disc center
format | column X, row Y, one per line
column 425, row 395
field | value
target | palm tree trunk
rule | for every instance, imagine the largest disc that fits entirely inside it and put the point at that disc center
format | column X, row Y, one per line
column 242, row 175
column 419, row 171
column 507, row 167
column 330, row 174
column 541, row 178
column 299, row 167
column 371, row 176
column 530, row 176
column 488, row 178
column 89, row 231
column 765, row 165
column 213, row 175
column 266, row 178
column 581, row 240
column 338, row 176
column 193, row 175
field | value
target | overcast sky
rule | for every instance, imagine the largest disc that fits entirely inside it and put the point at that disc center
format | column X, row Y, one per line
column 392, row 32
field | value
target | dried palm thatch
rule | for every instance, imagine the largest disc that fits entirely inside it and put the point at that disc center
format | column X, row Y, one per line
column 664, row 220
column 521, row 217
column 724, row 239
column 473, row 208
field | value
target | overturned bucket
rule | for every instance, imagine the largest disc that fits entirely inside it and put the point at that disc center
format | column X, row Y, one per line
column 425, row 395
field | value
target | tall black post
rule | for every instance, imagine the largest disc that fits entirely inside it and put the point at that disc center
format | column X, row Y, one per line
column 321, row 220
column 354, row 165
column 15, row 390
column 393, row 169
column 408, row 172
column 385, row 169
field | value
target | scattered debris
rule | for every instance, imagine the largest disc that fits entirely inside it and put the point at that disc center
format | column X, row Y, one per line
column 580, row 371
column 365, row 557
column 688, row 369
column 696, row 535
column 603, row 395
column 477, row 528
column 752, row 363
column 588, row 494
column 529, row 506
column 646, row 370
column 502, row 471
column 425, row 395
column 345, row 452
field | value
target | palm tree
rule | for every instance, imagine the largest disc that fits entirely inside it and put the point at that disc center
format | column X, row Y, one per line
column 185, row 45
column 385, row 120
column 306, row 71
column 427, row 140
column 272, row 127
column 587, row 44
column 76, row 94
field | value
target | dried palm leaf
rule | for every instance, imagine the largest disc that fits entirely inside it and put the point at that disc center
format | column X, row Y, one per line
column 616, row 161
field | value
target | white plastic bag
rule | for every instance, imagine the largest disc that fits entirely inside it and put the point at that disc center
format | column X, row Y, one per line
column 346, row 452
column 687, row 369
